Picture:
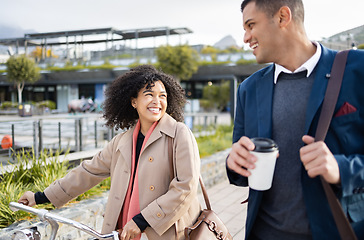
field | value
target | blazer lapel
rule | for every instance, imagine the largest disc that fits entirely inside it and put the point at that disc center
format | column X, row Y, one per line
column 264, row 93
column 317, row 95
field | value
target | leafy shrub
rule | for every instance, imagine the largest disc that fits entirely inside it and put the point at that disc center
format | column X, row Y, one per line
column 102, row 67
column 47, row 103
column 34, row 174
column 221, row 140
column 7, row 105
column 66, row 68
column 10, row 190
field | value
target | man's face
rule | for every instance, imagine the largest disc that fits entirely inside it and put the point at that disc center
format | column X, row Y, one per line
column 261, row 33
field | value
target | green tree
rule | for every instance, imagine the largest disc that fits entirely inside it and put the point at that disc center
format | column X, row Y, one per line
column 209, row 50
column 234, row 49
column 180, row 61
column 216, row 96
column 21, row 70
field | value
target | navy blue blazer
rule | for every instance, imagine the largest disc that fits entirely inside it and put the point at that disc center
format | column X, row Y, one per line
column 345, row 139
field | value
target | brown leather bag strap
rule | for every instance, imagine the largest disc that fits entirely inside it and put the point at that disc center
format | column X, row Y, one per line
column 171, row 168
column 327, row 111
column 204, row 193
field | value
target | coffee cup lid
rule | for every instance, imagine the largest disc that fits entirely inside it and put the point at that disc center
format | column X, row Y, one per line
column 264, row 145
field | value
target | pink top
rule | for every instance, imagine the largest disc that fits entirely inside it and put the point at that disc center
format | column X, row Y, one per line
column 131, row 204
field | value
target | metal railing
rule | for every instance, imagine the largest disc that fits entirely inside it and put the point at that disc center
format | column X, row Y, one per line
column 73, row 133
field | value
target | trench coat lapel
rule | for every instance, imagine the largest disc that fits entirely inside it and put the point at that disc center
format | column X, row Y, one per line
column 165, row 125
column 319, row 86
column 153, row 137
column 264, row 93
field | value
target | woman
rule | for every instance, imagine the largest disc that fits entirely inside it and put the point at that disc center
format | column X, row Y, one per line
column 142, row 196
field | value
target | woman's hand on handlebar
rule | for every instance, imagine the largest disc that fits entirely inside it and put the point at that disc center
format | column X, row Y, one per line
column 27, row 199
column 130, row 231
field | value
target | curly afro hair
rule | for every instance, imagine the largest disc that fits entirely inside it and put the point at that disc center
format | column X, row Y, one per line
column 117, row 108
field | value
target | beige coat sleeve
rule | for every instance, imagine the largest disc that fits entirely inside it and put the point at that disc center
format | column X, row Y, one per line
column 80, row 179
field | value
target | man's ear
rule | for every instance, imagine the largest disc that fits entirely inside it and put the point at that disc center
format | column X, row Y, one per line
column 285, row 16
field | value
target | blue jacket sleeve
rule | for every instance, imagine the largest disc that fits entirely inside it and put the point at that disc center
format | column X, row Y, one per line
column 351, row 174
column 238, row 132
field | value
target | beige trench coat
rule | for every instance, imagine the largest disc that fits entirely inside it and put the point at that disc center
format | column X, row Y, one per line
column 162, row 202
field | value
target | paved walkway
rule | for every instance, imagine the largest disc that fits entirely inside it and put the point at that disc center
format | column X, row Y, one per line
column 225, row 200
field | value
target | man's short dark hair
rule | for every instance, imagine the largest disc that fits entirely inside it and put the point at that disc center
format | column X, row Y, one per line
column 271, row 7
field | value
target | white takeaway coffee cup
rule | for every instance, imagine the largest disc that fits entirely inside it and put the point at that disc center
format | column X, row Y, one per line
column 266, row 150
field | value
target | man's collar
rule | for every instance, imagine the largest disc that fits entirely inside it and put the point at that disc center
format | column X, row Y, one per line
column 309, row 65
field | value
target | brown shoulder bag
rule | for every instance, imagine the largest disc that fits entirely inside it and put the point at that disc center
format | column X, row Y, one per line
column 208, row 225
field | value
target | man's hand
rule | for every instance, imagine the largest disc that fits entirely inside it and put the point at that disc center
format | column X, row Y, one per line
column 27, row 199
column 318, row 160
column 130, row 231
column 240, row 159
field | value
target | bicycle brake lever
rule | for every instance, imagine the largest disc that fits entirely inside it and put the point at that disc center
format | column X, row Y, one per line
column 115, row 235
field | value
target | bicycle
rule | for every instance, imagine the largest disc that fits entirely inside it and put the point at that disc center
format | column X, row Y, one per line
column 53, row 219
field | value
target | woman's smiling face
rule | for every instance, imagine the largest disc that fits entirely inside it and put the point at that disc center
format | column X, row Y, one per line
column 151, row 104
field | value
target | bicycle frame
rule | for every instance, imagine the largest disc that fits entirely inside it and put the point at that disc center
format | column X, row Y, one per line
column 54, row 219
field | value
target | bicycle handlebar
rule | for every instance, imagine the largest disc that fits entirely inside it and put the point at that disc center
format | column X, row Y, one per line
column 53, row 219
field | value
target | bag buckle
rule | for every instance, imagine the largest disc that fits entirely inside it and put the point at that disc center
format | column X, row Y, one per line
column 213, row 228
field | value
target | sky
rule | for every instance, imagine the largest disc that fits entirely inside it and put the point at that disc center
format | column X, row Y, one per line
column 210, row 20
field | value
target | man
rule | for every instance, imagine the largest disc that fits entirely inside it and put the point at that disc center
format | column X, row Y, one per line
column 283, row 102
